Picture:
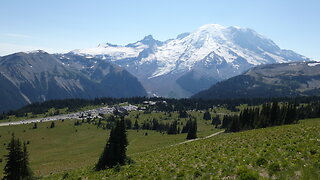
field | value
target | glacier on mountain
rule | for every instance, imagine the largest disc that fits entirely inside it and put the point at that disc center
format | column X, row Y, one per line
column 207, row 55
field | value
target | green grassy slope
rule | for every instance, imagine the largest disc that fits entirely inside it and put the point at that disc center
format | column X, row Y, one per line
column 67, row 147
column 283, row 152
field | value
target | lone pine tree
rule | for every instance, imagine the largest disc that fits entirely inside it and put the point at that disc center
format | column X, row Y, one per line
column 17, row 166
column 192, row 133
column 52, row 125
column 207, row 115
column 185, row 129
column 114, row 152
column 35, row 126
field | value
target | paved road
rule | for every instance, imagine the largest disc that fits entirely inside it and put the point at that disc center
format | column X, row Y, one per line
column 93, row 112
column 52, row 118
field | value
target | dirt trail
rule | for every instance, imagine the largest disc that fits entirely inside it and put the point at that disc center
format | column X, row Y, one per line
column 184, row 142
column 191, row 140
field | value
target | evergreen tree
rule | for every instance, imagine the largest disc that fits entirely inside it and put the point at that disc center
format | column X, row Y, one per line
column 192, row 133
column 136, row 124
column 99, row 123
column 115, row 150
column 145, row 125
column 235, row 124
column 12, row 169
column 274, row 114
column 185, row 129
column 264, row 116
column 128, row 124
column 3, row 116
column 226, row 121
column 216, row 121
column 111, row 118
column 17, row 166
column 291, row 115
column 77, row 123
column 52, row 125
column 183, row 114
column 317, row 109
column 155, row 124
column 35, row 126
column 25, row 169
column 268, row 115
column 207, row 115
column 173, row 128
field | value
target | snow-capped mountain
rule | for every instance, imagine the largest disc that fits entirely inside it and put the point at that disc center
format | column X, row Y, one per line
column 193, row 61
column 116, row 52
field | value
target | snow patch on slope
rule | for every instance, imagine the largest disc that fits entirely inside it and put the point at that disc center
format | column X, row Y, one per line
column 114, row 52
column 313, row 64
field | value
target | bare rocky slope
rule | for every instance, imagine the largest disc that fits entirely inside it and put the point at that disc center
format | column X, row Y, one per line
column 39, row 76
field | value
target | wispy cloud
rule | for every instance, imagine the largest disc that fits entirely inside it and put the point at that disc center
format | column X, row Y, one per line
column 9, row 48
column 15, row 35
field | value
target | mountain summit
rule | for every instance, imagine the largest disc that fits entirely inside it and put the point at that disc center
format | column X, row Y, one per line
column 193, row 61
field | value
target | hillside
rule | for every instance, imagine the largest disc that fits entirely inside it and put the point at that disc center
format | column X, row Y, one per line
column 157, row 138
column 70, row 146
column 275, row 80
column 283, row 152
column 192, row 61
column 38, row 76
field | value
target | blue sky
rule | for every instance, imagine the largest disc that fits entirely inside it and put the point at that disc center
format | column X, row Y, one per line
column 64, row 25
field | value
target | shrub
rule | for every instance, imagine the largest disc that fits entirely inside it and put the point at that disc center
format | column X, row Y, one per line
column 246, row 174
column 313, row 151
column 273, row 168
column 65, row 175
column 261, row 161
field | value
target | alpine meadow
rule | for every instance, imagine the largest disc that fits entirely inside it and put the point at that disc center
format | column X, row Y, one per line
column 159, row 90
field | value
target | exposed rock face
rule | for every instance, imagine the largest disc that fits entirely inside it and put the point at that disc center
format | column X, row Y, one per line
column 38, row 76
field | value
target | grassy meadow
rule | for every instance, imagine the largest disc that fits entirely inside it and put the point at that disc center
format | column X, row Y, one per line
column 282, row 152
column 67, row 147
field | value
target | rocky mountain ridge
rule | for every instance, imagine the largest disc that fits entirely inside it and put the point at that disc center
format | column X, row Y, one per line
column 194, row 61
column 38, row 76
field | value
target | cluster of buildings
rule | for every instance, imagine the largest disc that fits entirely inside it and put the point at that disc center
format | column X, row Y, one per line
column 91, row 114
column 97, row 113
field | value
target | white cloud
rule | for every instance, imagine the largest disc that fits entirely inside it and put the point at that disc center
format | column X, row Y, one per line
column 15, row 35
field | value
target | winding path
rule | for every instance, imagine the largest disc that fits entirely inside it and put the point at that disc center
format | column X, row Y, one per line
column 191, row 140
column 184, row 142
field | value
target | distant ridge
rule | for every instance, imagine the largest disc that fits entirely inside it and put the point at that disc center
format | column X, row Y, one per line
column 274, row 80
